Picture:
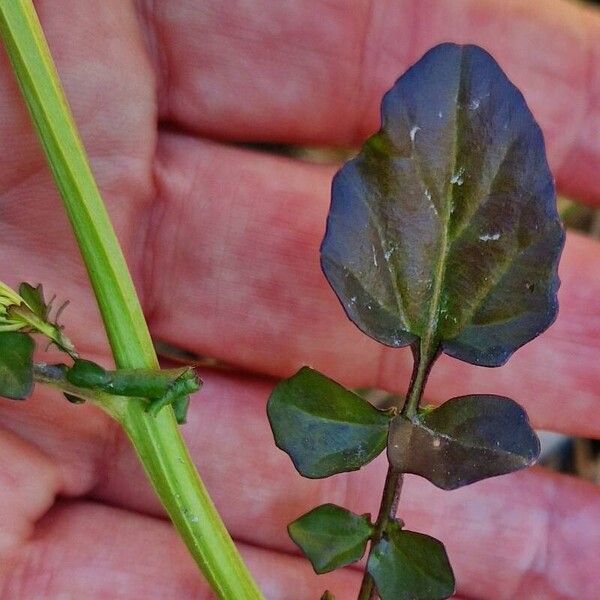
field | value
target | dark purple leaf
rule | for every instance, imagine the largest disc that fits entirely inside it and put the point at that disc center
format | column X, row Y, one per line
column 466, row 439
column 445, row 226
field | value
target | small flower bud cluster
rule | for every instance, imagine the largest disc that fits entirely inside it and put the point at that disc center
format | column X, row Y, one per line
column 9, row 299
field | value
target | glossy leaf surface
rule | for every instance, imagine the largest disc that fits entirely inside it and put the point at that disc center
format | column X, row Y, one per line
column 410, row 566
column 445, row 227
column 331, row 536
column 466, row 439
column 324, row 427
column 16, row 365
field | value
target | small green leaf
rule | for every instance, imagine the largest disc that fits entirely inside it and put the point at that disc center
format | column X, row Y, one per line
column 16, row 365
column 331, row 536
column 466, row 439
column 34, row 298
column 444, row 228
column 410, row 566
column 327, row 595
column 32, row 312
column 324, row 427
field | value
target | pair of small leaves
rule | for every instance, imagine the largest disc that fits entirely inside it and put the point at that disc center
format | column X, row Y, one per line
column 403, row 564
column 445, row 226
column 327, row 429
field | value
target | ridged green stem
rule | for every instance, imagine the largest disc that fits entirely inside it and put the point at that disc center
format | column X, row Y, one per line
column 156, row 439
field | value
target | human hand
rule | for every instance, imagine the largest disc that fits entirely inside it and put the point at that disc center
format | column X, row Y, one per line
column 223, row 244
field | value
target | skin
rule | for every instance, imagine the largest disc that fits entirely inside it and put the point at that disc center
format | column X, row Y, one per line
column 223, row 245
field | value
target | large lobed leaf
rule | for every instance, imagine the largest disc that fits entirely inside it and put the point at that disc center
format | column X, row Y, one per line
column 324, row 427
column 465, row 440
column 445, row 225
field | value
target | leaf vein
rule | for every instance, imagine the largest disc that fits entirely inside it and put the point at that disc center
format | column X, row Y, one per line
column 390, row 270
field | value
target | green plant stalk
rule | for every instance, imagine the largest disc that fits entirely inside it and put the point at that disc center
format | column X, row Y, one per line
column 157, row 440
column 425, row 355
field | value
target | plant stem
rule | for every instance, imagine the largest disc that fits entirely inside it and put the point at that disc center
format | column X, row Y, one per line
column 424, row 357
column 174, row 466
column 156, row 439
column 387, row 511
column 54, row 376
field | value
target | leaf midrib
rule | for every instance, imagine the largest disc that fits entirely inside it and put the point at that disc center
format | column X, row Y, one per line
column 471, row 446
column 444, row 247
column 382, row 425
column 390, row 269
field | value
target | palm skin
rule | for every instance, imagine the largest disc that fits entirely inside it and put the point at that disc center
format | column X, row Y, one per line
column 223, row 245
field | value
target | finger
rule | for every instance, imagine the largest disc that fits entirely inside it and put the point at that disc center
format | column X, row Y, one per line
column 79, row 548
column 29, row 482
column 297, row 72
column 232, row 271
column 73, row 442
column 85, row 550
column 103, row 66
column 507, row 537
